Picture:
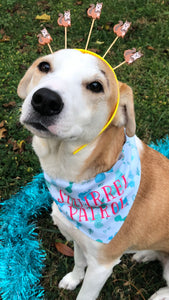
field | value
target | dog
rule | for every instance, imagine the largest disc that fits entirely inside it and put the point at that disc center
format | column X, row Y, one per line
column 69, row 97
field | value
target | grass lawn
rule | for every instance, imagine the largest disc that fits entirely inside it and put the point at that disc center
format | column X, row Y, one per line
column 148, row 77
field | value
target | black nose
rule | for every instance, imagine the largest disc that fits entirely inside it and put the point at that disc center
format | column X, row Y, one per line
column 47, row 102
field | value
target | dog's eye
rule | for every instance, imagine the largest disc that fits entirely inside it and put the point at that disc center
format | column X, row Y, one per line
column 95, row 87
column 44, row 67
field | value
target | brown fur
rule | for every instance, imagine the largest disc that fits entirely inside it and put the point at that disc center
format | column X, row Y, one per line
column 31, row 77
column 146, row 226
column 109, row 144
column 105, row 155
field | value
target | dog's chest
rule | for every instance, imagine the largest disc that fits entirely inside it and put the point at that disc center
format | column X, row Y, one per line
column 99, row 206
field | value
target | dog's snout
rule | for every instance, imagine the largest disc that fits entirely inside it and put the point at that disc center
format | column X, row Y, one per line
column 47, row 102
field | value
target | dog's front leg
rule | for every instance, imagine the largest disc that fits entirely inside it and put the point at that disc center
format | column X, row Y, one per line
column 72, row 279
column 95, row 277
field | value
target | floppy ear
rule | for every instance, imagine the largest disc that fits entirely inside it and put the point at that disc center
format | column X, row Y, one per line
column 125, row 114
column 23, row 84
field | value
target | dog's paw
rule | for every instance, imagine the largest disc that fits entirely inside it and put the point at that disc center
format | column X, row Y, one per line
column 162, row 294
column 145, row 256
column 69, row 281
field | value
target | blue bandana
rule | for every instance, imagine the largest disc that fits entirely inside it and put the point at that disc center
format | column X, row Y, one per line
column 99, row 206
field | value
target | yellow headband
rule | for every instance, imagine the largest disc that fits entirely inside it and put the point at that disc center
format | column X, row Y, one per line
column 118, row 96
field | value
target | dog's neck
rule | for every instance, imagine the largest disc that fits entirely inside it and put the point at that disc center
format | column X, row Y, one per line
column 105, row 153
column 57, row 160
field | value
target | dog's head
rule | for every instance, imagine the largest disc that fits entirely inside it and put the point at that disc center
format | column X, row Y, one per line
column 71, row 95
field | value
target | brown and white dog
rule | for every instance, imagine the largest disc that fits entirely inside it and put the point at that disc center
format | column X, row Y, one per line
column 69, row 96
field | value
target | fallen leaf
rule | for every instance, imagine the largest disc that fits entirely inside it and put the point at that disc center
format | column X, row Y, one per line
column 44, row 4
column 64, row 249
column 9, row 104
column 18, row 147
column 3, row 133
column 15, row 146
column 99, row 42
column 100, row 28
column 108, row 26
column 2, row 123
column 28, row 140
column 94, row 50
column 150, row 48
column 79, row 2
column 43, row 17
column 21, row 146
column 5, row 38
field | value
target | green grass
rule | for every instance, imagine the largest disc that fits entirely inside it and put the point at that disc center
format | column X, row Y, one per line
column 148, row 77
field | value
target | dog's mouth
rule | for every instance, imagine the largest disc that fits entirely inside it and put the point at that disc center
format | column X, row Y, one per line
column 38, row 126
column 38, row 129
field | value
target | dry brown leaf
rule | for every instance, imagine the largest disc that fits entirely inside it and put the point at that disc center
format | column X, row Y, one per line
column 64, row 249
column 100, row 28
column 79, row 2
column 43, row 3
column 94, row 50
column 2, row 123
column 5, row 38
column 3, row 133
column 9, row 104
column 17, row 146
column 150, row 48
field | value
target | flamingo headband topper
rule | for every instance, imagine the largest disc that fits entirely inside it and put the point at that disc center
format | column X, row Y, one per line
column 120, row 29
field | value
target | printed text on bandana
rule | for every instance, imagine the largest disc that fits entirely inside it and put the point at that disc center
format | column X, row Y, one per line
column 108, row 201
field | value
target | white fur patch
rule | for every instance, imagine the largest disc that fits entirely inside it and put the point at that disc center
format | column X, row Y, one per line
column 145, row 256
column 77, row 123
column 162, row 294
column 139, row 145
column 81, row 111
